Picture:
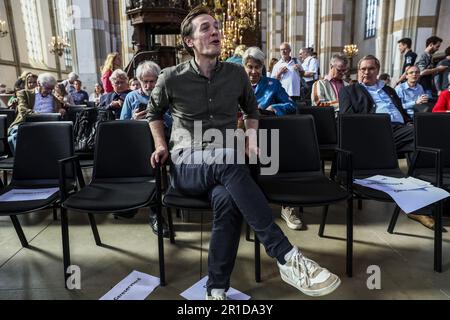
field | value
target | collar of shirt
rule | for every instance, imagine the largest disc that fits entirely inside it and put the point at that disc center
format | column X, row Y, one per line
column 377, row 87
column 406, row 86
column 196, row 68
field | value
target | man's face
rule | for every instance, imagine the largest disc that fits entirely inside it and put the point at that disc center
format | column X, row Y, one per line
column 77, row 85
column 303, row 54
column 148, row 83
column 338, row 70
column 368, row 72
column 435, row 47
column 402, row 48
column 254, row 71
column 205, row 40
column 46, row 89
column 413, row 75
column 120, row 85
column 285, row 51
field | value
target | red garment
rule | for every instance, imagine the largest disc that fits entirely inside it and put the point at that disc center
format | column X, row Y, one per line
column 443, row 103
column 107, row 86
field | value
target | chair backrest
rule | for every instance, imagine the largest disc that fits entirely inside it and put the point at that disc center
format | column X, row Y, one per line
column 325, row 121
column 42, row 117
column 72, row 111
column 3, row 134
column 123, row 150
column 369, row 137
column 40, row 145
column 432, row 131
column 10, row 114
column 298, row 146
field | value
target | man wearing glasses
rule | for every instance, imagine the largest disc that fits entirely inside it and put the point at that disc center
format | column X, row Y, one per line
column 411, row 92
column 325, row 93
column 114, row 101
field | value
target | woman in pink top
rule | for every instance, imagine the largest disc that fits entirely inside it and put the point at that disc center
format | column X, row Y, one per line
column 443, row 103
column 113, row 61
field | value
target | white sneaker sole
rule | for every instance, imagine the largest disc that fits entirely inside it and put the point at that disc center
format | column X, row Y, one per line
column 291, row 225
column 314, row 293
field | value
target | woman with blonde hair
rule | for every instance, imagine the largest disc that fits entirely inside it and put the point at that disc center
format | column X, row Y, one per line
column 113, row 61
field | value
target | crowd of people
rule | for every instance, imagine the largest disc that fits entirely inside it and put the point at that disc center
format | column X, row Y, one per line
column 176, row 98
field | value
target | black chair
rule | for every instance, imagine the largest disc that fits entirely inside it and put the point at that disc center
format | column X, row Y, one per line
column 43, row 117
column 52, row 141
column 10, row 114
column 432, row 164
column 326, row 128
column 122, row 180
column 173, row 199
column 300, row 180
column 370, row 139
column 4, row 148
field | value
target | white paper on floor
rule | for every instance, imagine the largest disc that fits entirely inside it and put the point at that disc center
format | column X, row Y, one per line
column 198, row 292
column 136, row 286
column 28, row 194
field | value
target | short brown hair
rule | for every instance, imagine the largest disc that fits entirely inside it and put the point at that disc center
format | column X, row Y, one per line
column 370, row 57
column 186, row 26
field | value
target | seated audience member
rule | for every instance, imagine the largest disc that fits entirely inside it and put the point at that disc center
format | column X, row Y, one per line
column 79, row 95
column 443, row 103
column 62, row 95
column 272, row 99
column 238, row 53
column 39, row 100
column 29, row 82
column 134, row 84
column 386, row 78
column 135, row 105
column 69, row 83
column 96, row 95
column 371, row 95
column 325, row 93
column 114, row 101
column 411, row 92
column 271, row 96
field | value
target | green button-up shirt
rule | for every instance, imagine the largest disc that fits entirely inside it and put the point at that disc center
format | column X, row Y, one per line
column 193, row 98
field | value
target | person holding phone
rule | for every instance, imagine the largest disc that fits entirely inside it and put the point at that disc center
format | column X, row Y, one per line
column 136, row 102
column 114, row 101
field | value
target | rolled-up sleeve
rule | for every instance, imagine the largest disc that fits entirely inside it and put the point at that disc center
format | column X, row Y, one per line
column 247, row 101
column 159, row 101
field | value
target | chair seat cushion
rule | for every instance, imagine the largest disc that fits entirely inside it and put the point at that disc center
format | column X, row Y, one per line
column 19, row 207
column 307, row 191
column 175, row 199
column 106, row 197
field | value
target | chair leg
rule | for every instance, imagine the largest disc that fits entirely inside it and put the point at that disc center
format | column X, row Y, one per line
column 394, row 220
column 5, row 177
column 333, row 170
column 162, row 273
column 93, row 224
column 178, row 213
column 55, row 213
column 257, row 260
column 349, row 264
column 19, row 231
column 65, row 243
column 248, row 233
column 360, row 204
column 170, row 222
column 438, row 237
column 324, row 221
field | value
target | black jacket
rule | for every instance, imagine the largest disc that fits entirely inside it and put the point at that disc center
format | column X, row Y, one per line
column 356, row 99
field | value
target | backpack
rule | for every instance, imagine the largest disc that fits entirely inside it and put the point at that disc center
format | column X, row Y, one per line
column 85, row 128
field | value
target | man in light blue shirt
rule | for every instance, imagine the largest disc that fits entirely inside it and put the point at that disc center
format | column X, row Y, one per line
column 411, row 92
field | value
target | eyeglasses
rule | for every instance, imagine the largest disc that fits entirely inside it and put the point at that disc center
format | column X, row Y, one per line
column 118, row 83
column 413, row 72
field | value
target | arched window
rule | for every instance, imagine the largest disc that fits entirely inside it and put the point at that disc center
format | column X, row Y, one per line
column 64, row 27
column 32, row 30
column 371, row 18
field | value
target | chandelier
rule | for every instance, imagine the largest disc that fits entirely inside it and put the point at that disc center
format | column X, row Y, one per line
column 235, row 17
column 351, row 50
column 57, row 45
column 3, row 31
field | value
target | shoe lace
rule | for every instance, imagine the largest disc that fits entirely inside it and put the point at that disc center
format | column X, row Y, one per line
column 303, row 268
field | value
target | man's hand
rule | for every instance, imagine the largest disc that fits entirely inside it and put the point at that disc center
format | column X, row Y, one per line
column 160, row 156
column 270, row 109
column 116, row 104
column 138, row 115
column 422, row 99
column 62, row 112
column 281, row 72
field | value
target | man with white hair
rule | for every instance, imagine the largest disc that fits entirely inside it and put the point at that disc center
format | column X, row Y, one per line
column 114, row 101
column 69, row 83
column 39, row 100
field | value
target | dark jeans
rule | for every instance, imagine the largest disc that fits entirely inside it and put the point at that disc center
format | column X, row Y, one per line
column 403, row 138
column 234, row 195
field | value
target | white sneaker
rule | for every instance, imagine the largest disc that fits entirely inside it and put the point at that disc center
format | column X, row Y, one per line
column 293, row 221
column 216, row 294
column 307, row 276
